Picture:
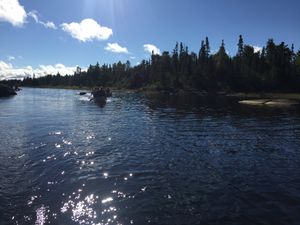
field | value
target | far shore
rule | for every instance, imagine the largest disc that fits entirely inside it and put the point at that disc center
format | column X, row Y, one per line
column 60, row 87
column 269, row 95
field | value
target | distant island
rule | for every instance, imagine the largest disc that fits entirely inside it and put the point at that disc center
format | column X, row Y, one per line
column 274, row 68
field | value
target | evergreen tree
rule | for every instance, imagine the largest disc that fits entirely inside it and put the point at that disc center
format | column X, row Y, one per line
column 207, row 47
column 202, row 53
column 275, row 68
column 240, row 46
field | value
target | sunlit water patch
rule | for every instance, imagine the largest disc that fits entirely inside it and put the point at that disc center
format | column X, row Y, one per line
column 146, row 160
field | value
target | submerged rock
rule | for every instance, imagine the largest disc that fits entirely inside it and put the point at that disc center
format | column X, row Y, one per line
column 6, row 91
column 282, row 102
column 270, row 102
column 255, row 101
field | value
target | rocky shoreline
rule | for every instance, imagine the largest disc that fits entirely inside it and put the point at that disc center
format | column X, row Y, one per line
column 6, row 91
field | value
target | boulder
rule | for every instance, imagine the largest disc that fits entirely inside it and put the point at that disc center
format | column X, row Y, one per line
column 281, row 102
column 270, row 102
column 255, row 101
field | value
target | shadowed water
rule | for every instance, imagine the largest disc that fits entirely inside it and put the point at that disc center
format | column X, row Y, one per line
column 146, row 160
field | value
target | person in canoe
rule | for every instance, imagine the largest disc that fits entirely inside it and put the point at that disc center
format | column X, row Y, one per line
column 108, row 92
column 101, row 94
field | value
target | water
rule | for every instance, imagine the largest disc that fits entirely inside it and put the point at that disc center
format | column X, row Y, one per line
column 146, row 160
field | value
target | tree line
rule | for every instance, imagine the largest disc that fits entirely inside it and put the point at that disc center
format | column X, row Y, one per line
column 276, row 67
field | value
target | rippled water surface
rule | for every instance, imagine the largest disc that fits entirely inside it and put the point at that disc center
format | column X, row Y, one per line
column 146, row 160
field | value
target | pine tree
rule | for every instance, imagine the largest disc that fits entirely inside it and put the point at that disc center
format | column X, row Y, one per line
column 207, row 47
column 202, row 53
column 240, row 46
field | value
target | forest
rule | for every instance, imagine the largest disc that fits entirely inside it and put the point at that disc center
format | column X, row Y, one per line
column 276, row 67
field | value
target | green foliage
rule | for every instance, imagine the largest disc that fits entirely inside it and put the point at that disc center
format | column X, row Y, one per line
column 274, row 68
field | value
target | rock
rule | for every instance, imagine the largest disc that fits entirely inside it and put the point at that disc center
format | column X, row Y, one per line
column 270, row 102
column 281, row 102
column 6, row 91
column 255, row 102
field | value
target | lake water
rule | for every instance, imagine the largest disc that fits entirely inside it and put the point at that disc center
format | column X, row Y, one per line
column 146, row 160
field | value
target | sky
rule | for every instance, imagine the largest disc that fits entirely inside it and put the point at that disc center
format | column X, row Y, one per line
column 45, row 37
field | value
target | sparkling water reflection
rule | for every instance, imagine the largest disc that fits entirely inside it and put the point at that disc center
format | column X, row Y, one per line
column 146, row 160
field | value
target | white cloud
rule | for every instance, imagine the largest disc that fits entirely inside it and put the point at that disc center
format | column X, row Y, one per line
column 33, row 14
column 54, row 69
column 8, row 71
column 48, row 24
column 257, row 49
column 10, row 58
column 151, row 48
column 11, row 11
column 115, row 48
column 4, row 66
column 87, row 30
column 132, row 57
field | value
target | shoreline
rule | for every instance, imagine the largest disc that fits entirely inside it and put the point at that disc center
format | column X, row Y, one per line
column 59, row 87
column 270, row 95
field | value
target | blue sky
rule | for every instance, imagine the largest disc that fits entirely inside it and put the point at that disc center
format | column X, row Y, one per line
column 50, row 36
